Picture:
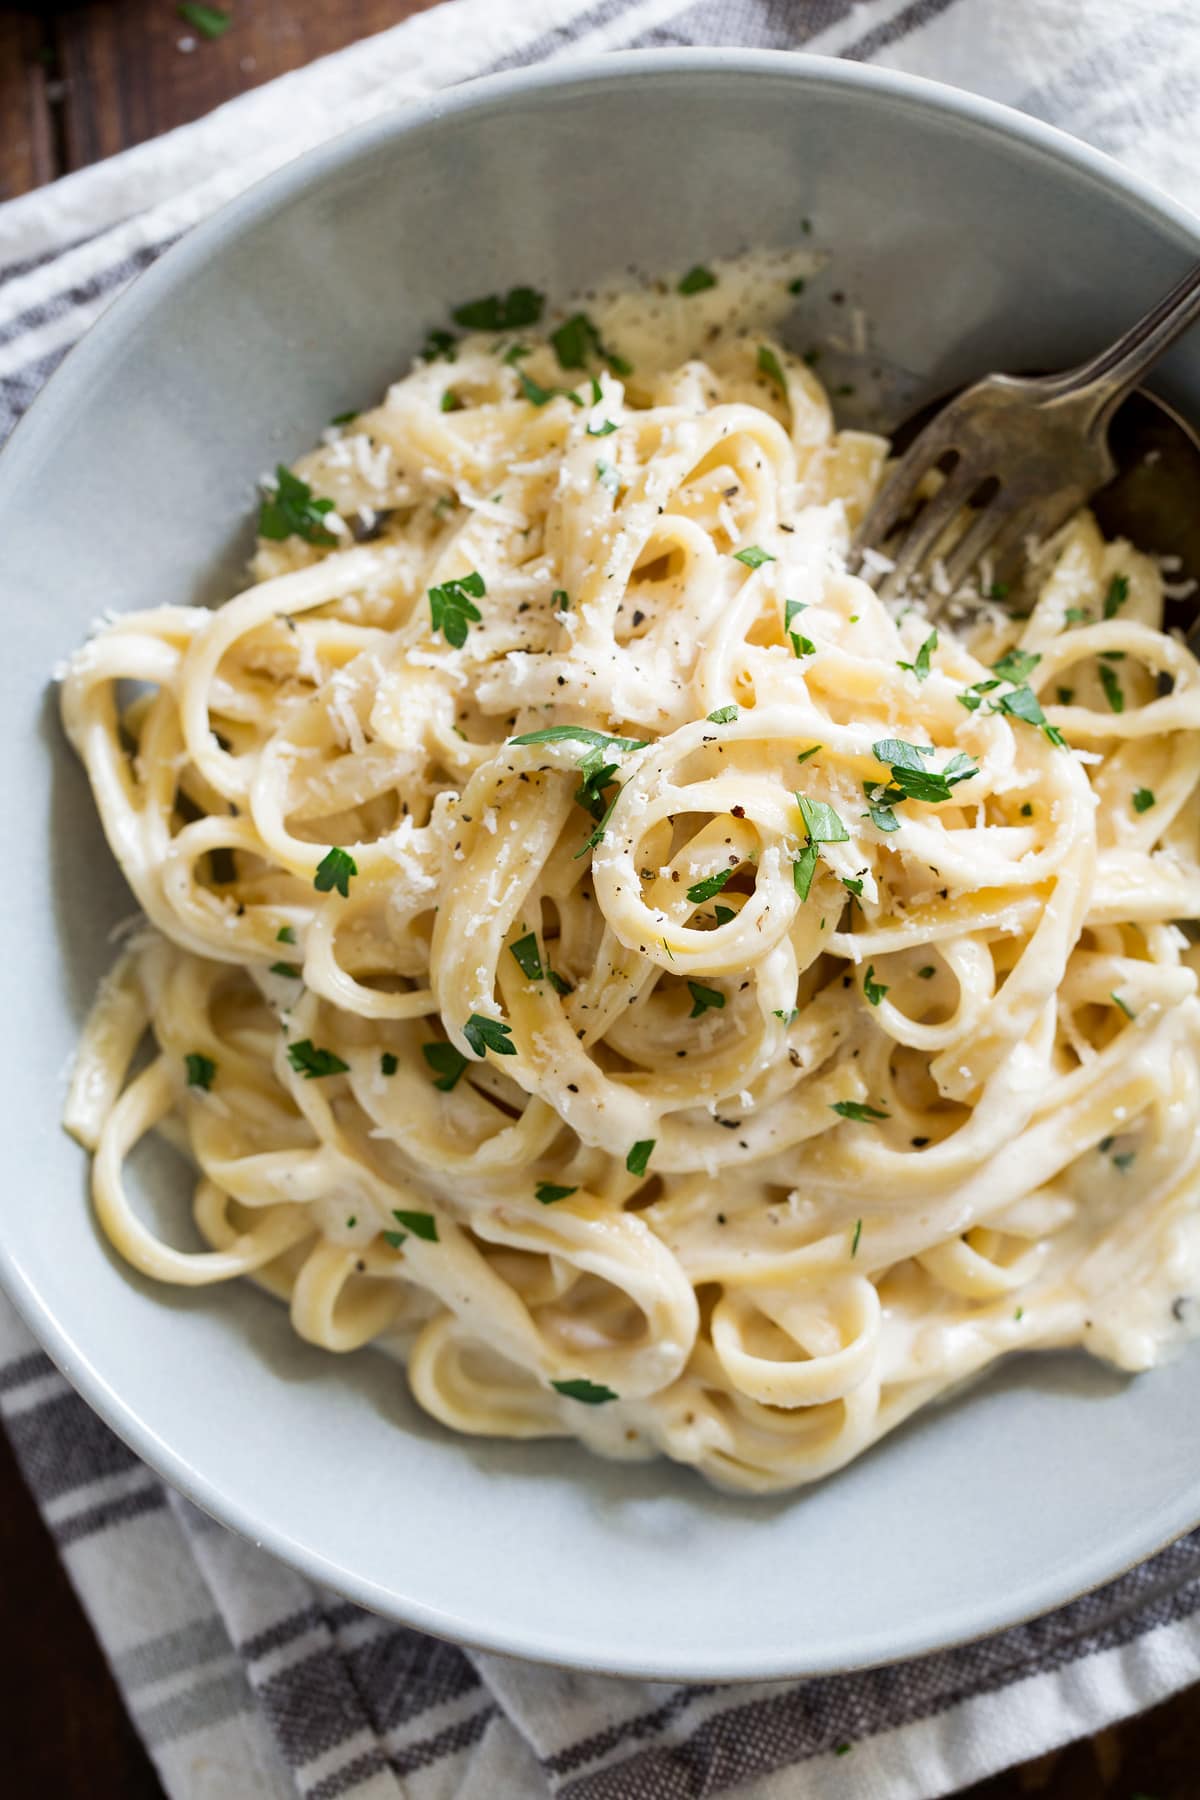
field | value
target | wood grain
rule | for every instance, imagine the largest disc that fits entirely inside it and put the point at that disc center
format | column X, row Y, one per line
column 79, row 82
column 66, row 1734
column 133, row 69
column 27, row 150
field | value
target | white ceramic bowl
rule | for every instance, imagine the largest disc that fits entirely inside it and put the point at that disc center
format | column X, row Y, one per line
column 974, row 238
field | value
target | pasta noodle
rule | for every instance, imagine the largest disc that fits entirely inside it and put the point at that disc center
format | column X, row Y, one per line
column 597, row 949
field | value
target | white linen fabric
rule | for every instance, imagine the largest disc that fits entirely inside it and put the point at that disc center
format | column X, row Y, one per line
column 243, row 1677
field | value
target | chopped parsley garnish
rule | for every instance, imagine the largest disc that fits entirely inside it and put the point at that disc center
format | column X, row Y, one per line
column 535, row 393
column 591, row 1393
column 911, row 780
column 857, row 1235
column 421, row 1224
column 801, row 645
column 351, row 1222
column 447, row 1063
column 803, row 870
column 1023, row 703
column 285, row 935
column 1064, row 695
column 312, row 1063
column 822, row 822
column 346, row 418
column 1016, row 665
column 697, row 280
column 853, row 885
column 770, row 366
column 560, row 600
column 703, row 998
column 857, row 1109
column 485, row 1034
column 1124, row 1006
column 753, row 556
column 997, row 591
column 1143, row 800
column 438, row 344
column 972, row 698
column 797, row 286
column 724, row 715
column 1019, row 1314
column 789, row 1018
column 546, row 1193
column 601, row 430
column 334, row 871
column 1117, row 595
column 872, row 989
column 589, row 843
column 1112, row 688
column 582, row 734
column 723, row 914
column 500, row 312
column 452, row 608
column 1123, row 1159
column 1077, row 615
column 639, row 1156
column 577, row 339
column 597, row 775
column 959, row 768
column 209, row 21
column 200, row 1070
column 450, row 401
column 395, row 1238
column 803, row 755
column 927, row 973
column 920, row 667
column 1027, row 811
column 289, row 969
column 596, row 772
column 388, row 1063
column 900, row 754
column 528, row 957
column 557, row 982
column 823, row 826
column 291, row 511
column 608, row 477
column 881, row 815
column 709, row 888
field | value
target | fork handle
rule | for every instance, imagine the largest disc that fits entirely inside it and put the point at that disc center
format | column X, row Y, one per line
column 1096, row 387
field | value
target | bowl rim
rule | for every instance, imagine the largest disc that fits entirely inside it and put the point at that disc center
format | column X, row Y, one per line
column 50, row 412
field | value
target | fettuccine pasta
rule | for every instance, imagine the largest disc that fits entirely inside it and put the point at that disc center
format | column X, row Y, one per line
column 595, row 948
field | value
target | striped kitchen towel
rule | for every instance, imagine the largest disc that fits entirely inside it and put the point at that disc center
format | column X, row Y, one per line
column 242, row 1677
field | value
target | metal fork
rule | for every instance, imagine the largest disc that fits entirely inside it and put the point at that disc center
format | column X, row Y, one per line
column 1019, row 456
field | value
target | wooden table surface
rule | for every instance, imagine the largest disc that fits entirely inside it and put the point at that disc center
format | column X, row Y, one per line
column 79, row 82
